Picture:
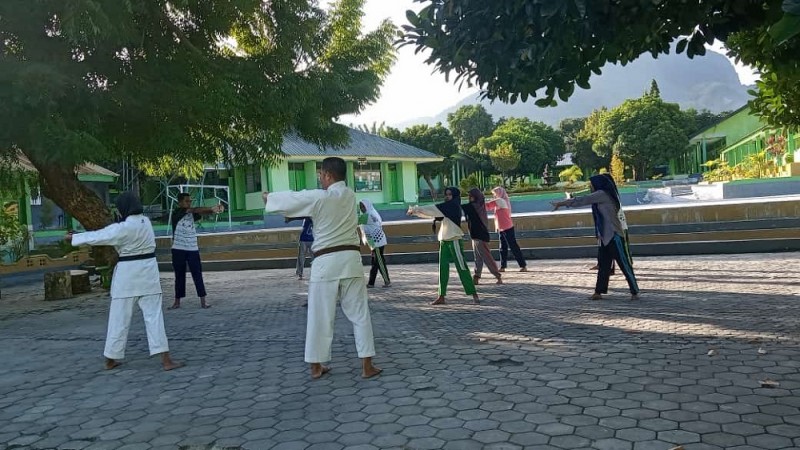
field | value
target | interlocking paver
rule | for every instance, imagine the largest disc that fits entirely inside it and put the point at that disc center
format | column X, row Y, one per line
column 534, row 366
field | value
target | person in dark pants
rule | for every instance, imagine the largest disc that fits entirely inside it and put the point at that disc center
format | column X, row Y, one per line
column 501, row 206
column 611, row 235
column 185, row 250
column 370, row 225
column 304, row 242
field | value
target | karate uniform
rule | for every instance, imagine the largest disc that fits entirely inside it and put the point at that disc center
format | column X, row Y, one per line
column 133, row 282
column 335, row 276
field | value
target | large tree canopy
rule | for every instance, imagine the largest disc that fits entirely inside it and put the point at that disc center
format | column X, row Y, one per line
column 468, row 124
column 95, row 80
column 513, row 49
column 537, row 143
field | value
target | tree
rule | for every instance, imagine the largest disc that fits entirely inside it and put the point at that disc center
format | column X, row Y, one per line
column 195, row 80
column 436, row 139
column 372, row 129
column 617, row 169
column 654, row 90
column 592, row 151
column 537, row 143
column 468, row 124
column 517, row 49
column 571, row 174
column 644, row 133
column 505, row 159
column 700, row 120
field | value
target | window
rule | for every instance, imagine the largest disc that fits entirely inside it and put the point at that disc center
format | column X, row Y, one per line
column 252, row 178
column 368, row 177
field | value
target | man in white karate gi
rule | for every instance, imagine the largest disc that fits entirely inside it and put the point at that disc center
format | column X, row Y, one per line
column 135, row 281
column 336, row 273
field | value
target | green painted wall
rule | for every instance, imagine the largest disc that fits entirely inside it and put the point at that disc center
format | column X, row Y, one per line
column 408, row 172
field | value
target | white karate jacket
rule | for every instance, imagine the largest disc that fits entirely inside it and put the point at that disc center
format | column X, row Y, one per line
column 134, row 236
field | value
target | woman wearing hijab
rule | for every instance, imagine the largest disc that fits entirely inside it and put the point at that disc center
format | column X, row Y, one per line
column 501, row 206
column 373, row 236
column 610, row 233
column 451, row 248
column 478, row 224
column 135, row 281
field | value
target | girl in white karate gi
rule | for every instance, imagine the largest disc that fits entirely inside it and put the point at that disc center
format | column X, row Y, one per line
column 135, row 281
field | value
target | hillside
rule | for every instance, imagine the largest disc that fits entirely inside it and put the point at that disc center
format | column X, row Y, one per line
column 708, row 82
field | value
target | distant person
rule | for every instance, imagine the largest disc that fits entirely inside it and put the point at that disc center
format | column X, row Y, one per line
column 135, row 281
column 185, row 250
column 606, row 206
column 501, row 206
column 478, row 224
column 373, row 236
column 451, row 247
column 304, row 243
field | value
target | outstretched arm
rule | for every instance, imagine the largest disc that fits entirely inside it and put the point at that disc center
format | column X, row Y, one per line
column 110, row 235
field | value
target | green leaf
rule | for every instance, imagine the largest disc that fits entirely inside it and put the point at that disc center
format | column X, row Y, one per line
column 785, row 29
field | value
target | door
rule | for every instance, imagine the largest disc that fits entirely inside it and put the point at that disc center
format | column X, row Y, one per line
column 392, row 180
column 297, row 176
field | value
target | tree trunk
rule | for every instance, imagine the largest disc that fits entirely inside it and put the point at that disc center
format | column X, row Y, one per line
column 430, row 185
column 60, row 184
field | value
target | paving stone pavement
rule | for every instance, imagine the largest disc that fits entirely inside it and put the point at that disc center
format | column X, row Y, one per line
column 534, row 366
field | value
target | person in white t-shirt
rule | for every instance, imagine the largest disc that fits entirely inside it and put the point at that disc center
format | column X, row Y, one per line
column 185, row 250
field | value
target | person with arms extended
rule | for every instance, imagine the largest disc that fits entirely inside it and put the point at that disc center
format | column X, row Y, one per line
column 501, row 206
column 371, row 227
column 610, row 233
column 337, row 274
column 135, row 281
column 478, row 224
column 185, row 250
column 451, row 247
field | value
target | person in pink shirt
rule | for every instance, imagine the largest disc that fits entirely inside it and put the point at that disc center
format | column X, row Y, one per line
column 501, row 206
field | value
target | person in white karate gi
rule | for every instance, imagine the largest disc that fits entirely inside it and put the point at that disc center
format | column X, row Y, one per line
column 135, row 281
column 336, row 273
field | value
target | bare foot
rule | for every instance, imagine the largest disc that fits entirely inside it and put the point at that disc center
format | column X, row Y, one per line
column 634, row 297
column 168, row 363
column 502, row 269
column 439, row 300
column 475, row 299
column 318, row 370
column 368, row 370
column 476, row 280
column 173, row 365
column 110, row 363
column 595, row 267
column 175, row 306
column 523, row 269
column 596, row 296
column 205, row 305
column 499, row 280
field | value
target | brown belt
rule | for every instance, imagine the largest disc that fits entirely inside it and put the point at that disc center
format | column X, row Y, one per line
column 336, row 248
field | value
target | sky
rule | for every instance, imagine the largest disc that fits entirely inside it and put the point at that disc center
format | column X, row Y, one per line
column 413, row 89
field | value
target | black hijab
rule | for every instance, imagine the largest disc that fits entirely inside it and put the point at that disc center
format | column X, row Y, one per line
column 603, row 182
column 128, row 204
column 451, row 208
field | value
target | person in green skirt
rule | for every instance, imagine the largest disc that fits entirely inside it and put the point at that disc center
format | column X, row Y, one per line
column 451, row 247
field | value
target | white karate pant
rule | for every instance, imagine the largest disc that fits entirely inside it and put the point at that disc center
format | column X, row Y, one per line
column 119, row 322
column 322, row 299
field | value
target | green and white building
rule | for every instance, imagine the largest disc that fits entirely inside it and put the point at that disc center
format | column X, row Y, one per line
column 379, row 169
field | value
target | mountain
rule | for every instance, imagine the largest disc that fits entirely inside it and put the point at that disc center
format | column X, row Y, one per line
column 707, row 82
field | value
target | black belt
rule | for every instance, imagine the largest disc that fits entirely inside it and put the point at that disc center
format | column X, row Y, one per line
column 337, row 248
column 137, row 257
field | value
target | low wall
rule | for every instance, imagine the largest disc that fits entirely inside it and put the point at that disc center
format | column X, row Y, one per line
column 35, row 263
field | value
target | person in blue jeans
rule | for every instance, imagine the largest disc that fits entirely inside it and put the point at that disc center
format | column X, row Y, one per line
column 303, row 243
column 185, row 250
